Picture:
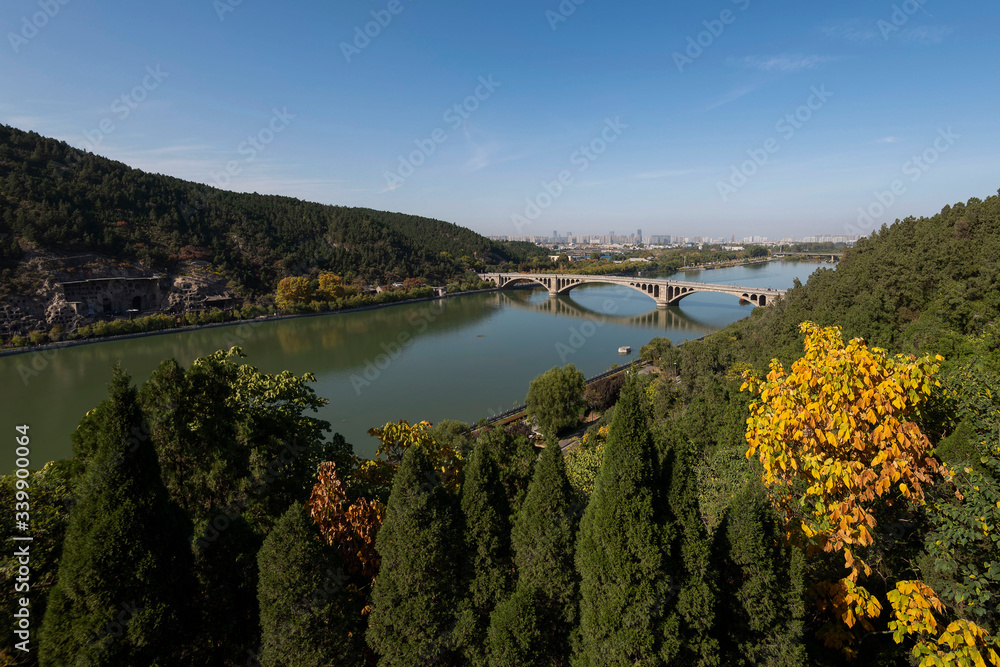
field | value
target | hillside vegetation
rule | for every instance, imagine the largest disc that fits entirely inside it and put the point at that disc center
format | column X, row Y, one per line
column 67, row 200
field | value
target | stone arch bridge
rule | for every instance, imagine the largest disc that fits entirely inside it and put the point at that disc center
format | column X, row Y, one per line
column 664, row 292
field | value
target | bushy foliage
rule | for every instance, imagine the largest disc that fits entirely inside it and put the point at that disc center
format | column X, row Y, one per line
column 415, row 595
column 555, row 399
column 304, row 617
column 623, row 551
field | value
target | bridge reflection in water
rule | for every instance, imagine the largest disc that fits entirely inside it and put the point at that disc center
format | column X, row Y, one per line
column 657, row 318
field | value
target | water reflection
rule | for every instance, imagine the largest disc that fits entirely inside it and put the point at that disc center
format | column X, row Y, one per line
column 657, row 318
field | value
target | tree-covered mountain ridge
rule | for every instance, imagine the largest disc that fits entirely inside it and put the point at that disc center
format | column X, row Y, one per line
column 57, row 200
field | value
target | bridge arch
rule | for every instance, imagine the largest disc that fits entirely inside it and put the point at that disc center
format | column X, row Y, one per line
column 650, row 290
column 664, row 292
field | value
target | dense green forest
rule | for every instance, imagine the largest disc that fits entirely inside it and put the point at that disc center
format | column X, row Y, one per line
column 68, row 200
column 206, row 518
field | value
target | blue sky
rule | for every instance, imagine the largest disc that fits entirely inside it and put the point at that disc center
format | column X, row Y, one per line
column 692, row 118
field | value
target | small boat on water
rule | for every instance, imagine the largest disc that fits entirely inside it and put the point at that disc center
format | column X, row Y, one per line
column 625, row 349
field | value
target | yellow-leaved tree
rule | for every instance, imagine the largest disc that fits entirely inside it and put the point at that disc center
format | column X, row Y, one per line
column 331, row 286
column 292, row 290
column 837, row 439
column 396, row 438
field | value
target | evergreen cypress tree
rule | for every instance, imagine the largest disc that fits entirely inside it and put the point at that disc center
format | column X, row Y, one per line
column 761, row 603
column 544, row 538
column 306, row 614
column 515, row 457
column 226, row 574
column 622, row 549
column 697, row 581
column 487, row 564
column 414, row 597
column 125, row 574
column 516, row 634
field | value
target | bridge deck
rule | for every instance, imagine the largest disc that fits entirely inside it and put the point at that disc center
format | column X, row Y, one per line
column 664, row 291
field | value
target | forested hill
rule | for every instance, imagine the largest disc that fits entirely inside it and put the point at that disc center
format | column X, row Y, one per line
column 917, row 286
column 67, row 200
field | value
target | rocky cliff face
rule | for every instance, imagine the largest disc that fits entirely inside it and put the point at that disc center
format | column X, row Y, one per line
column 76, row 290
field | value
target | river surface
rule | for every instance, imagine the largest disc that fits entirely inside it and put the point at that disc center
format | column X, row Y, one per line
column 461, row 358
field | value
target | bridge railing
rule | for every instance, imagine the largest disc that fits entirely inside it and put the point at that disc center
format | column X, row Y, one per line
column 661, row 281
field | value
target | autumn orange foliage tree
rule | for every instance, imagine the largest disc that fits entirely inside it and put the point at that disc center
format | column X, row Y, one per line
column 836, row 437
column 349, row 527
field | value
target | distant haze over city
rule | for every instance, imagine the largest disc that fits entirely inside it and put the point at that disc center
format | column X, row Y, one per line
column 638, row 237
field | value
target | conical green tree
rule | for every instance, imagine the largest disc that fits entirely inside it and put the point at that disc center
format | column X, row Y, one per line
column 125, row 574
column 696, row 583
column 544, row 538
column 622, row 549
column 306, row 616
column 411, row 622
column 487, row 565
column 226, row 573
column 761, row 605
column 516, row 635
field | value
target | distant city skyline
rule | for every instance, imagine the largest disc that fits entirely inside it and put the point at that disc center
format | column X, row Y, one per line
column 522, row 118
column 673, row 239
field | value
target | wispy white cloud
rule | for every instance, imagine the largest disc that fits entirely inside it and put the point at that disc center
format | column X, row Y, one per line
column 887, row 140
column 854, row 30
column 857, row 30
column 662, row 173
column 483, row 155
column 925, row 34
column 785, row 63
column 733, row 95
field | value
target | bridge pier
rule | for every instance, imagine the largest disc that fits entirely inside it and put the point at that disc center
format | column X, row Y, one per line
column 663, row 292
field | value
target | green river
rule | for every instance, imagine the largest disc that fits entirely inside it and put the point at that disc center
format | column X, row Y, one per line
column 463, row 358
